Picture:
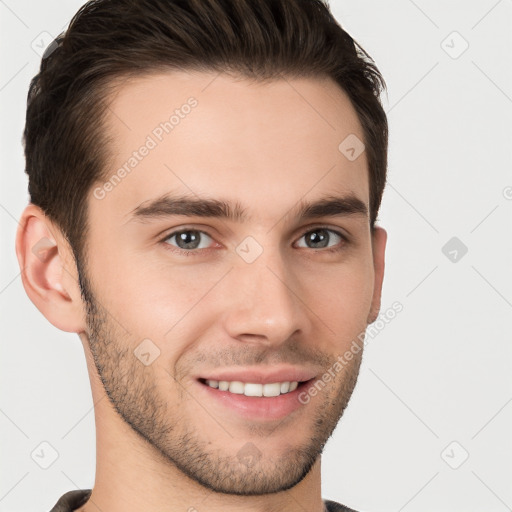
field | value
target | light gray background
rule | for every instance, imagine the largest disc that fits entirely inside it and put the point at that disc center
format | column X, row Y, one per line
column 438, row 373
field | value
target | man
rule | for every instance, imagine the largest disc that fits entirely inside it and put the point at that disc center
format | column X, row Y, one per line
column 205, row 178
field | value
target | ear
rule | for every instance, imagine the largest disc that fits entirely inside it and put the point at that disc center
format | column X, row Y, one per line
column 48, row 270
column 379, row 238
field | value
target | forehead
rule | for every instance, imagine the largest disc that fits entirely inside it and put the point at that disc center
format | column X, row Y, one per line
column 261, row 143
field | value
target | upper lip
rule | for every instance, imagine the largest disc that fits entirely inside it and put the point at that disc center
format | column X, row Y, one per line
column 261, row 375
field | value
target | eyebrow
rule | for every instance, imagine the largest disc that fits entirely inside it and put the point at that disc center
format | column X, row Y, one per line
column 171, row 205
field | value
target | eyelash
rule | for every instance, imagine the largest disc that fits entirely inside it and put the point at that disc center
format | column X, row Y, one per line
column 196, row 252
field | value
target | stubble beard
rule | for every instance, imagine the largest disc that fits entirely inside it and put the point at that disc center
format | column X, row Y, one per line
column 133, row 392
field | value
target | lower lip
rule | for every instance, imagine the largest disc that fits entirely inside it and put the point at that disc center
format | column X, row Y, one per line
column 254, row 407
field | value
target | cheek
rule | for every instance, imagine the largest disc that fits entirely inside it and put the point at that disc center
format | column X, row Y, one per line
column 154, row 297
column 341, row 298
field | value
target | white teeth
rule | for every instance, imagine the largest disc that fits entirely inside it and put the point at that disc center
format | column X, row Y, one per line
column 252, row 389
column 236, row 387
column 273, row 389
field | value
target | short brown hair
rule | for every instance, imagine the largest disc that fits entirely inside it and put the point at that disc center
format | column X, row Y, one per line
column 66, row 149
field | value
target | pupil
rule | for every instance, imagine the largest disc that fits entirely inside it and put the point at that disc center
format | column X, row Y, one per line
column 322, row 239
column 188, row 240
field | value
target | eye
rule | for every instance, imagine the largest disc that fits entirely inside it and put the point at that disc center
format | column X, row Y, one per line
column 319, row 238
column 190, row 242
column 189, row 239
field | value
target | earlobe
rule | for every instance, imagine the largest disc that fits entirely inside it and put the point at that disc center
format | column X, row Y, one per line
column 379, row 238
column 48, row 271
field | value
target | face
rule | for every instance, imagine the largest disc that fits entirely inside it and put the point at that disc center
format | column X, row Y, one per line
column 218, row 298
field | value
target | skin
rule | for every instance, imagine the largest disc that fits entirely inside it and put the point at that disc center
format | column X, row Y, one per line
column 161, row 444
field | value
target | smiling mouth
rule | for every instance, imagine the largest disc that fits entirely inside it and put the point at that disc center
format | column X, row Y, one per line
column 253, row 389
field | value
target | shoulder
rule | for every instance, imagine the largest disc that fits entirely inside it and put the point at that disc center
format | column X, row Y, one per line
column 71, row 500
column 332, row 506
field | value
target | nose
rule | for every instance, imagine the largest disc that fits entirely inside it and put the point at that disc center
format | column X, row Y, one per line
column 264, row 305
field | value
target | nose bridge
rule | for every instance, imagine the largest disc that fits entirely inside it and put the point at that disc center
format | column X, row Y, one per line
column 263, row 301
